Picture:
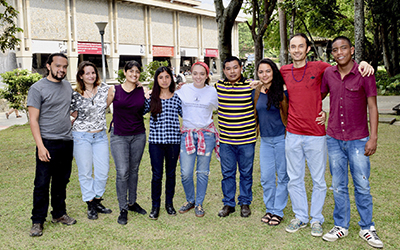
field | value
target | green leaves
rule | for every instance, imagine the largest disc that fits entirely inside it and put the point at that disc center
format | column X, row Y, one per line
column 8, row 40
column 17, row 86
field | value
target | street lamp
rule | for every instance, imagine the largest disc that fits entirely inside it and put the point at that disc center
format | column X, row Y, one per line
column 102, row 26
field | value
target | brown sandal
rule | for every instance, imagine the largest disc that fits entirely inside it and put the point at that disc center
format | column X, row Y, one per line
column 266, row 218
column 275, row 219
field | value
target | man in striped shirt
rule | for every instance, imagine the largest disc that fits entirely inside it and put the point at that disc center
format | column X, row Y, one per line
column 237, row 136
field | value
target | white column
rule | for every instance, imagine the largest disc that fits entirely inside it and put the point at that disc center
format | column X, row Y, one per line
column 72, row 44
column 113, row 58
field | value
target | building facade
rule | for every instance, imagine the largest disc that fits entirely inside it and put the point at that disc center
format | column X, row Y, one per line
column 142, row 30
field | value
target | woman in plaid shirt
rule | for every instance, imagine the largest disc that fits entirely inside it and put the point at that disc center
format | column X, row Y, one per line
column 165, row 107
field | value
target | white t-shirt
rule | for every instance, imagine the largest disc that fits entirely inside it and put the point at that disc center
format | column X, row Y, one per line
column 197, row 105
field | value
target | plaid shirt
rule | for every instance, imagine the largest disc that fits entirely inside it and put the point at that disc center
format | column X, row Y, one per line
column 201, row 143
column 166, row 129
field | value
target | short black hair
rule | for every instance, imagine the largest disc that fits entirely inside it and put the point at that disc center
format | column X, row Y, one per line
column 51, row 56
column 308, row 43
column 230, row 59
column 342, row 38
column 131, row 64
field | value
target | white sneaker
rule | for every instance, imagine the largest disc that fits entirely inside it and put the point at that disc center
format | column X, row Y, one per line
column 371, row 237
column 335, row 233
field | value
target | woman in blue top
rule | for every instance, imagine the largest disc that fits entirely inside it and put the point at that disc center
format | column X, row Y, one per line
column 271, row 107
column 165, row 107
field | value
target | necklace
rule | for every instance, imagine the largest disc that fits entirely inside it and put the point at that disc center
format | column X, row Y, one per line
column 91, row 97
column 304, row 72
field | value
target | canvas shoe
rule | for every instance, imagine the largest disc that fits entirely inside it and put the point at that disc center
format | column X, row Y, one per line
column 371, row 237
column 186, row 207
column 295, row 225
column 316, row 229
column 335, row 233
column 199, row 211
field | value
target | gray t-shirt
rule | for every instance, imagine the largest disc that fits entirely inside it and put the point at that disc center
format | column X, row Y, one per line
column 53, row 99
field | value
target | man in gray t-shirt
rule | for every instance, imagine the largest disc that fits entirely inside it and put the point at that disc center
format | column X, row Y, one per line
column 49, row 102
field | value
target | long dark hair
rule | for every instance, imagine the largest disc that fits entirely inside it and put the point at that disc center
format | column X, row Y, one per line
column 80, row 85
column 155, row 102
column 275, row 92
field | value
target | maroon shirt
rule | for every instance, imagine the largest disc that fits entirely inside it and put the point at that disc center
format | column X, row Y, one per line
column 348, row 103
column 128, row 111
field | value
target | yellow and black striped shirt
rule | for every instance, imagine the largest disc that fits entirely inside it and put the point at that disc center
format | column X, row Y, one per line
column 235, row 112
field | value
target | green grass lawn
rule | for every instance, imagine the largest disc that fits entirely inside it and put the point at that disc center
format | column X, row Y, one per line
column 17, row 170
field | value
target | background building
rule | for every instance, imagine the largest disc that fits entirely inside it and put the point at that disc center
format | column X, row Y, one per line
column 142, row 30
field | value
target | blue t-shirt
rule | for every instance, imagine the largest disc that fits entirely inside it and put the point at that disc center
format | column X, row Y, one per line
column 269, row 121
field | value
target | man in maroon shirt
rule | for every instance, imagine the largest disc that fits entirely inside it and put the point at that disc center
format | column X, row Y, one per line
column 348, row 140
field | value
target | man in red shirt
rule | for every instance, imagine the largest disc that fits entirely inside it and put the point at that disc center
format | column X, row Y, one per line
column 348, row 140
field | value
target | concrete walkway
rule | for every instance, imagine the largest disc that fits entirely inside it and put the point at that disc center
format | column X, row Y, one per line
column 385, row 105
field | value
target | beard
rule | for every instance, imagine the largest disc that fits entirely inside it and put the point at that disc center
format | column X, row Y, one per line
column 54, row 75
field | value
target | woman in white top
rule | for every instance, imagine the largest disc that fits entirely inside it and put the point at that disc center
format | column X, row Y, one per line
column 198, row 135
column 90, row 138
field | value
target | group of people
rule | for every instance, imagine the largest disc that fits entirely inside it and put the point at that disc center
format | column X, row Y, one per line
column 284, row 108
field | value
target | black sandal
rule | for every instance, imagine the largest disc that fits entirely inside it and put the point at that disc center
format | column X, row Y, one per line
column 266, row 218
column 276, row 219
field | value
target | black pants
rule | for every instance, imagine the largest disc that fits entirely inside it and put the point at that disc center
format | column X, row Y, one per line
column 58, row 171
column 159, row 153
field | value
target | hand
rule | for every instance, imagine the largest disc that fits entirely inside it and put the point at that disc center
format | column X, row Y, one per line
column 179, row 85
column 44, row 154
column 148, row 93
column 321, row 119
column 365, row 69
column 255, row 84
column 370, row 147
column 139, row 85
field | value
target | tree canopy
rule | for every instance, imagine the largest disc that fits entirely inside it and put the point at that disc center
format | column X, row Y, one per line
column 8, row 30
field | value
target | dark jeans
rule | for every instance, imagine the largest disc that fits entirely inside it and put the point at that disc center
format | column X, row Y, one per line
column 58, row 171
column 159, row 152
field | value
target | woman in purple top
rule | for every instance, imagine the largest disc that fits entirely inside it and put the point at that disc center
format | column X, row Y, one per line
column 128, row 138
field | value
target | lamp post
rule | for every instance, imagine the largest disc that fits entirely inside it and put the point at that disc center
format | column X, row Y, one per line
column 102, row 26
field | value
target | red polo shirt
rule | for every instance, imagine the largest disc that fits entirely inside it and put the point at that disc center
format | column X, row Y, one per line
column 348, row 103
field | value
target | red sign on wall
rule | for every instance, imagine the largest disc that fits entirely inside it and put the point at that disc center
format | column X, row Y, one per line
column 163, row 51
column 89, row 48
column 211, row 53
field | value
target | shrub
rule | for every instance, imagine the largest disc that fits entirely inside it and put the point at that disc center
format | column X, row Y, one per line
column 249, row 71
column 17, row 86
column 387, row 85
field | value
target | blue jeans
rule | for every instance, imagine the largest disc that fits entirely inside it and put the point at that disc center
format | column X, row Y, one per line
column 231, row 156
column 203, row 168
column 342, row 154
column 272, row 163
column 91, row 151
column 127, row 152
column 57, row 171
column 159, row 153
column 298, row 149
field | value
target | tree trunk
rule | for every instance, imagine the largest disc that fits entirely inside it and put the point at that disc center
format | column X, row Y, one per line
column 291, row 24
column 225, row 18
column 359, row 30
column 283, row 55
column 377, row 51
column 394, row 46
column 258, row 52
column 386, row 50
